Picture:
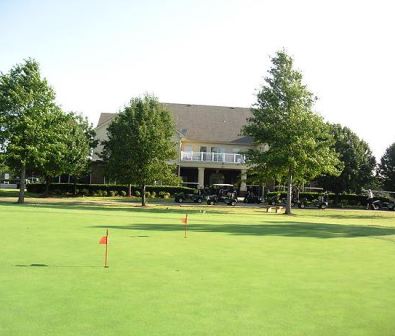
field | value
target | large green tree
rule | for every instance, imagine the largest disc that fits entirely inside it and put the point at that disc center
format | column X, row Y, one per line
column 140, row 145
column 358, row 161
column 26, row 100
column 292, row 142
column 69, row 146
column 55, row 156
column 387, row 168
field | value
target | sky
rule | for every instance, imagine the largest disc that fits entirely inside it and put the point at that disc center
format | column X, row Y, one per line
column 99, row 54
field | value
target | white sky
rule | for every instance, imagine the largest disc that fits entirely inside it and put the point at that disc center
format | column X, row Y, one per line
column 99, row 54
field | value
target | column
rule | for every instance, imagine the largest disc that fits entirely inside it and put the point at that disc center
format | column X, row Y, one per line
column 201, row 177
column 243, row 184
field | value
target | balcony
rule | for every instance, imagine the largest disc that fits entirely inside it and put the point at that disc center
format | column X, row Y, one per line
column 235, row 158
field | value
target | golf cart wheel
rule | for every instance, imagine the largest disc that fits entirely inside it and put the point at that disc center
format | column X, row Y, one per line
column 180, row 200
column 210, row 202
column 323, row 206
column 233, row 203
column 199, row 200
column 301, row 205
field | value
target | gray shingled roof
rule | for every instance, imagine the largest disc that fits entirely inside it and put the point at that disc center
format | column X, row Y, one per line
column 218, row 124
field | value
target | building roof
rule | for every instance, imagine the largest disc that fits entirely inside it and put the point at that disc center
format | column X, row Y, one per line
column 104, row 117
column 204, row 123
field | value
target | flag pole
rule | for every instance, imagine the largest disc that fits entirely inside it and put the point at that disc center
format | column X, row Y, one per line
column 186, row 225
column 106, row 253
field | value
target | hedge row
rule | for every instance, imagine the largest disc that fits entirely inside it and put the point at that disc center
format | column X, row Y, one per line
column 339, row 199
column 103, row 189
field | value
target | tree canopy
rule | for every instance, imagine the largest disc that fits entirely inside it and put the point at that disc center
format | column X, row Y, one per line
column 35, row 134
column 293, row 142
column 69, row 146
column 387, row 168
column 140, row 146
column 358, row 161
column 26, row 105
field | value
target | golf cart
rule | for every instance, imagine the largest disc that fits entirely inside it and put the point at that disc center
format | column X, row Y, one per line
column 196, row 197
column 277, row 200
column 321, row 202
column 251, row 197
column 386, row 203
column 221, row 192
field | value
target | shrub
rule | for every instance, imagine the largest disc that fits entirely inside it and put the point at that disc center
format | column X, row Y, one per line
column 123, row 193
column 147, row 194
column 84, row 192
column 113, row 193
column 57, row 192
column 93, row 188
column 153, row 194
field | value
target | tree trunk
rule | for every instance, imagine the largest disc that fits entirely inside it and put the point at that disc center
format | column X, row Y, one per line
column 289, row 196
column 263, row 193
column 74, row 186
column 47, row 183
column 129, row 190
column 143, row 195
column 22, row 184
column 337, row 200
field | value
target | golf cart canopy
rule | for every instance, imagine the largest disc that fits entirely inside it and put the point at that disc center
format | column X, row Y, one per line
column 222, row 185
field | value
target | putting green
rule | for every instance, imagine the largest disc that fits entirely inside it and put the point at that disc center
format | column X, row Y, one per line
column 239, row 272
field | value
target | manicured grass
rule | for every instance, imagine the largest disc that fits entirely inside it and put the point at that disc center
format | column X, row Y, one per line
column 239, row 272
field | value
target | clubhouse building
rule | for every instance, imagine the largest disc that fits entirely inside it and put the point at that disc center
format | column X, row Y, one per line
column 209, row 145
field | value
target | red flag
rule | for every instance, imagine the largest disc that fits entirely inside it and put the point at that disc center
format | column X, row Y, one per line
column 184, row 220
column 103, row 240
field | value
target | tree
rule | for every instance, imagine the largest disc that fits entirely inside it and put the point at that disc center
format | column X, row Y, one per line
column 81, row 144
column 3, row 168
column 26, row 100
column 358, row 161
column 387, row 168
column 55, row 155
column 139, row 144
column 293, row 143
column 69, row 145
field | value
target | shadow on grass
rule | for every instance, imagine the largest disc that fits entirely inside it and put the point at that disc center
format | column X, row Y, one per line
column 60, row 266
column 350, row 214
column 290, row 229
column 165, row 208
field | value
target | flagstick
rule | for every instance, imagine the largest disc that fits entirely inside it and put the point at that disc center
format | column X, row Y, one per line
column 186, row 225
column 106, row 254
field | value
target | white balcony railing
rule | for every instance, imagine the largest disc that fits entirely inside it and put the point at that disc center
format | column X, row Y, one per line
column 213, row 157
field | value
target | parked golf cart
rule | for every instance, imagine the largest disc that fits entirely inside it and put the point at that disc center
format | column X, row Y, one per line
column 387, row 204
column 196, row 197
column 251, row 197
column 221, row 192
column 276, row 200
column 383, row 205
column 384, row 200
column 321, row 202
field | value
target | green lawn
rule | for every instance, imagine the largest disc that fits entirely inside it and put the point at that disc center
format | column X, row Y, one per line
column 240, row 271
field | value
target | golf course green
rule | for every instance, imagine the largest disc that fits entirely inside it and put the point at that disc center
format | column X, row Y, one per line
column 240, row 271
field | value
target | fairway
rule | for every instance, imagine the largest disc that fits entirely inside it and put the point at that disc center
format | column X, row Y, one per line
column 239, row 272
